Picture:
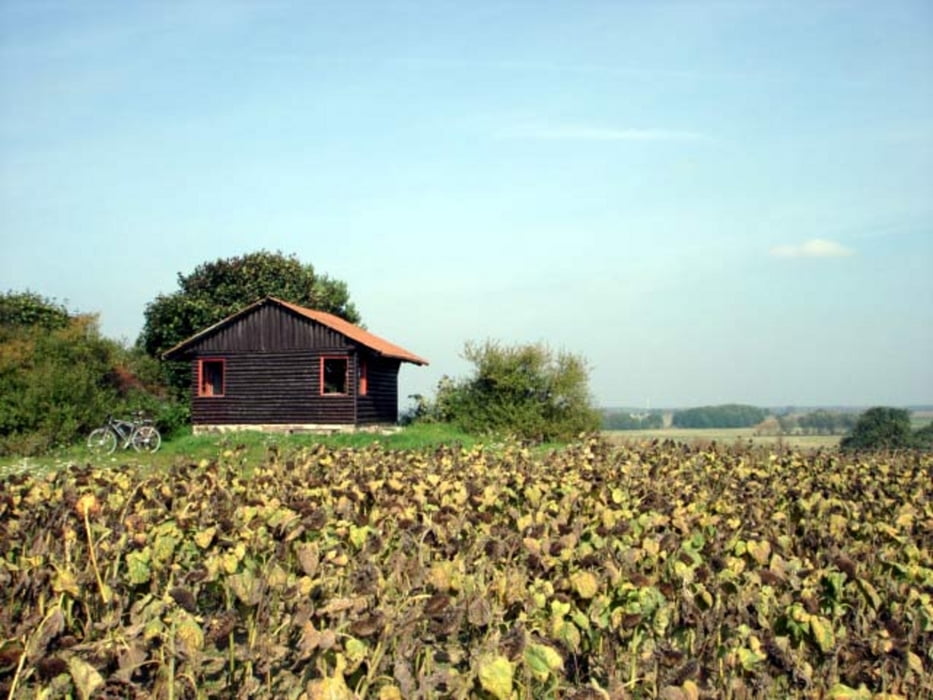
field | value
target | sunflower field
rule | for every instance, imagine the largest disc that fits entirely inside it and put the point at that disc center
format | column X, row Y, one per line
column 593, row 571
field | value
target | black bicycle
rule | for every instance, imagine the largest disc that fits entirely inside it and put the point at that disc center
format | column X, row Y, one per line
column 139, row 433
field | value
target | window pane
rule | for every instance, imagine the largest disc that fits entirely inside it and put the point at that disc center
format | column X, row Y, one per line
column 212, row 378
column 334, row 375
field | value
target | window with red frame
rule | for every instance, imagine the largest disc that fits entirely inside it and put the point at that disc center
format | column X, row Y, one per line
column 334, row 378
column 211, row 378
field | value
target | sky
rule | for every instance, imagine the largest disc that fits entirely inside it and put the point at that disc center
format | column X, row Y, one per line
column 710, row 201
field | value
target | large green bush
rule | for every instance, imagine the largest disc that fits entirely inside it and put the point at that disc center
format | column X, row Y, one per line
column 19, row 310
column 53, row 384
column 60, row 378
column 526, row 391
column 881, row 428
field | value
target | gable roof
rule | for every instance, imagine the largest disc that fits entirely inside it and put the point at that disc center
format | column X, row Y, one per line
column 335, row 323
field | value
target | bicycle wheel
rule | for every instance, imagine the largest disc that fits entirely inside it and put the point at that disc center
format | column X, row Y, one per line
column 146, row 439
column 101, row 442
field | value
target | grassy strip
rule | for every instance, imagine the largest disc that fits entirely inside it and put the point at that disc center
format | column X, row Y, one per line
column 249, row 446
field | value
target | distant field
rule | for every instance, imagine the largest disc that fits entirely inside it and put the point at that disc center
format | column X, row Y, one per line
column 726, row 435
column 918, row 419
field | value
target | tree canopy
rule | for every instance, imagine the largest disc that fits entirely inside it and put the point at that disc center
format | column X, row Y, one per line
column 219, row 288
column 881, row 427
column 527, row 391
column 624, row 420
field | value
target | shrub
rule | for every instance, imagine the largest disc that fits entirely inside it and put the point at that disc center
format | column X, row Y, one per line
column 53, row 385
column 59, row 378
column 880, row 428
column 526, row 391
column 30, row 310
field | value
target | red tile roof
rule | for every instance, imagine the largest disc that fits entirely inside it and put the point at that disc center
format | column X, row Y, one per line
column 363, row 337
column 342, row 326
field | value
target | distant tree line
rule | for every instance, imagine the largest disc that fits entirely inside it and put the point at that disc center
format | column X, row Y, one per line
column 624, row 420
column 725, row 416
column 818, row 422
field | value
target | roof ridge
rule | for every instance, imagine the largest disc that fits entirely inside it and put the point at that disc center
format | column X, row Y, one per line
column 352, row 331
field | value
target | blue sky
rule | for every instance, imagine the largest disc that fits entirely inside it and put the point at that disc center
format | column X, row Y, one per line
column 710, row 201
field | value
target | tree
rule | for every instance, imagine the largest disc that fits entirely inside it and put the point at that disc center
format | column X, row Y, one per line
column 217, row 289
column 823, row 422
column 526, row 391
column 788, row 423
column 724, row 416
column 880, row 428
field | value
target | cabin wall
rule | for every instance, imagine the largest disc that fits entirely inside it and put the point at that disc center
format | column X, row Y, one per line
column 380, row 405
column 270, row 388
column 272, row 374
column 285, row 388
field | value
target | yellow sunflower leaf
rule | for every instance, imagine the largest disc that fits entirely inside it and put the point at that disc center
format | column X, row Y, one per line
column 543, row 660
column 86, row 678
column 585, row 584
column 822, row 631
column 495, row 675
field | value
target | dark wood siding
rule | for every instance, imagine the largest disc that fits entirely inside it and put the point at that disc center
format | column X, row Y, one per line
column 380, row 405
column 285, row 388
column 272, row 388
column 269, row 329
column 272, row 374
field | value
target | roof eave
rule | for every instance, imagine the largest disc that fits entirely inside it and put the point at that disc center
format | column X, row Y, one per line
column 411, row 360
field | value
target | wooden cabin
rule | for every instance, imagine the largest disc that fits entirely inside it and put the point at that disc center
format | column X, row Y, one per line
column 278, row 366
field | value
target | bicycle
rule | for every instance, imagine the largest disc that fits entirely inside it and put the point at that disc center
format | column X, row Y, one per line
column 139, row 433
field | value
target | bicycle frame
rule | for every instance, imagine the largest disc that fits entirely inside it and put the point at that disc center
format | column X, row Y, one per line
column 139, row 433
column 123, row 430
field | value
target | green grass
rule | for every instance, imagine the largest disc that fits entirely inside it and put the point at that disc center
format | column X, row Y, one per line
column 250, row 447
column 246, row 446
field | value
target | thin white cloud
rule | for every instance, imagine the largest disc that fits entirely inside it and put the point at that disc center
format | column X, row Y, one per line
column 579, row 132
column 814, row 248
